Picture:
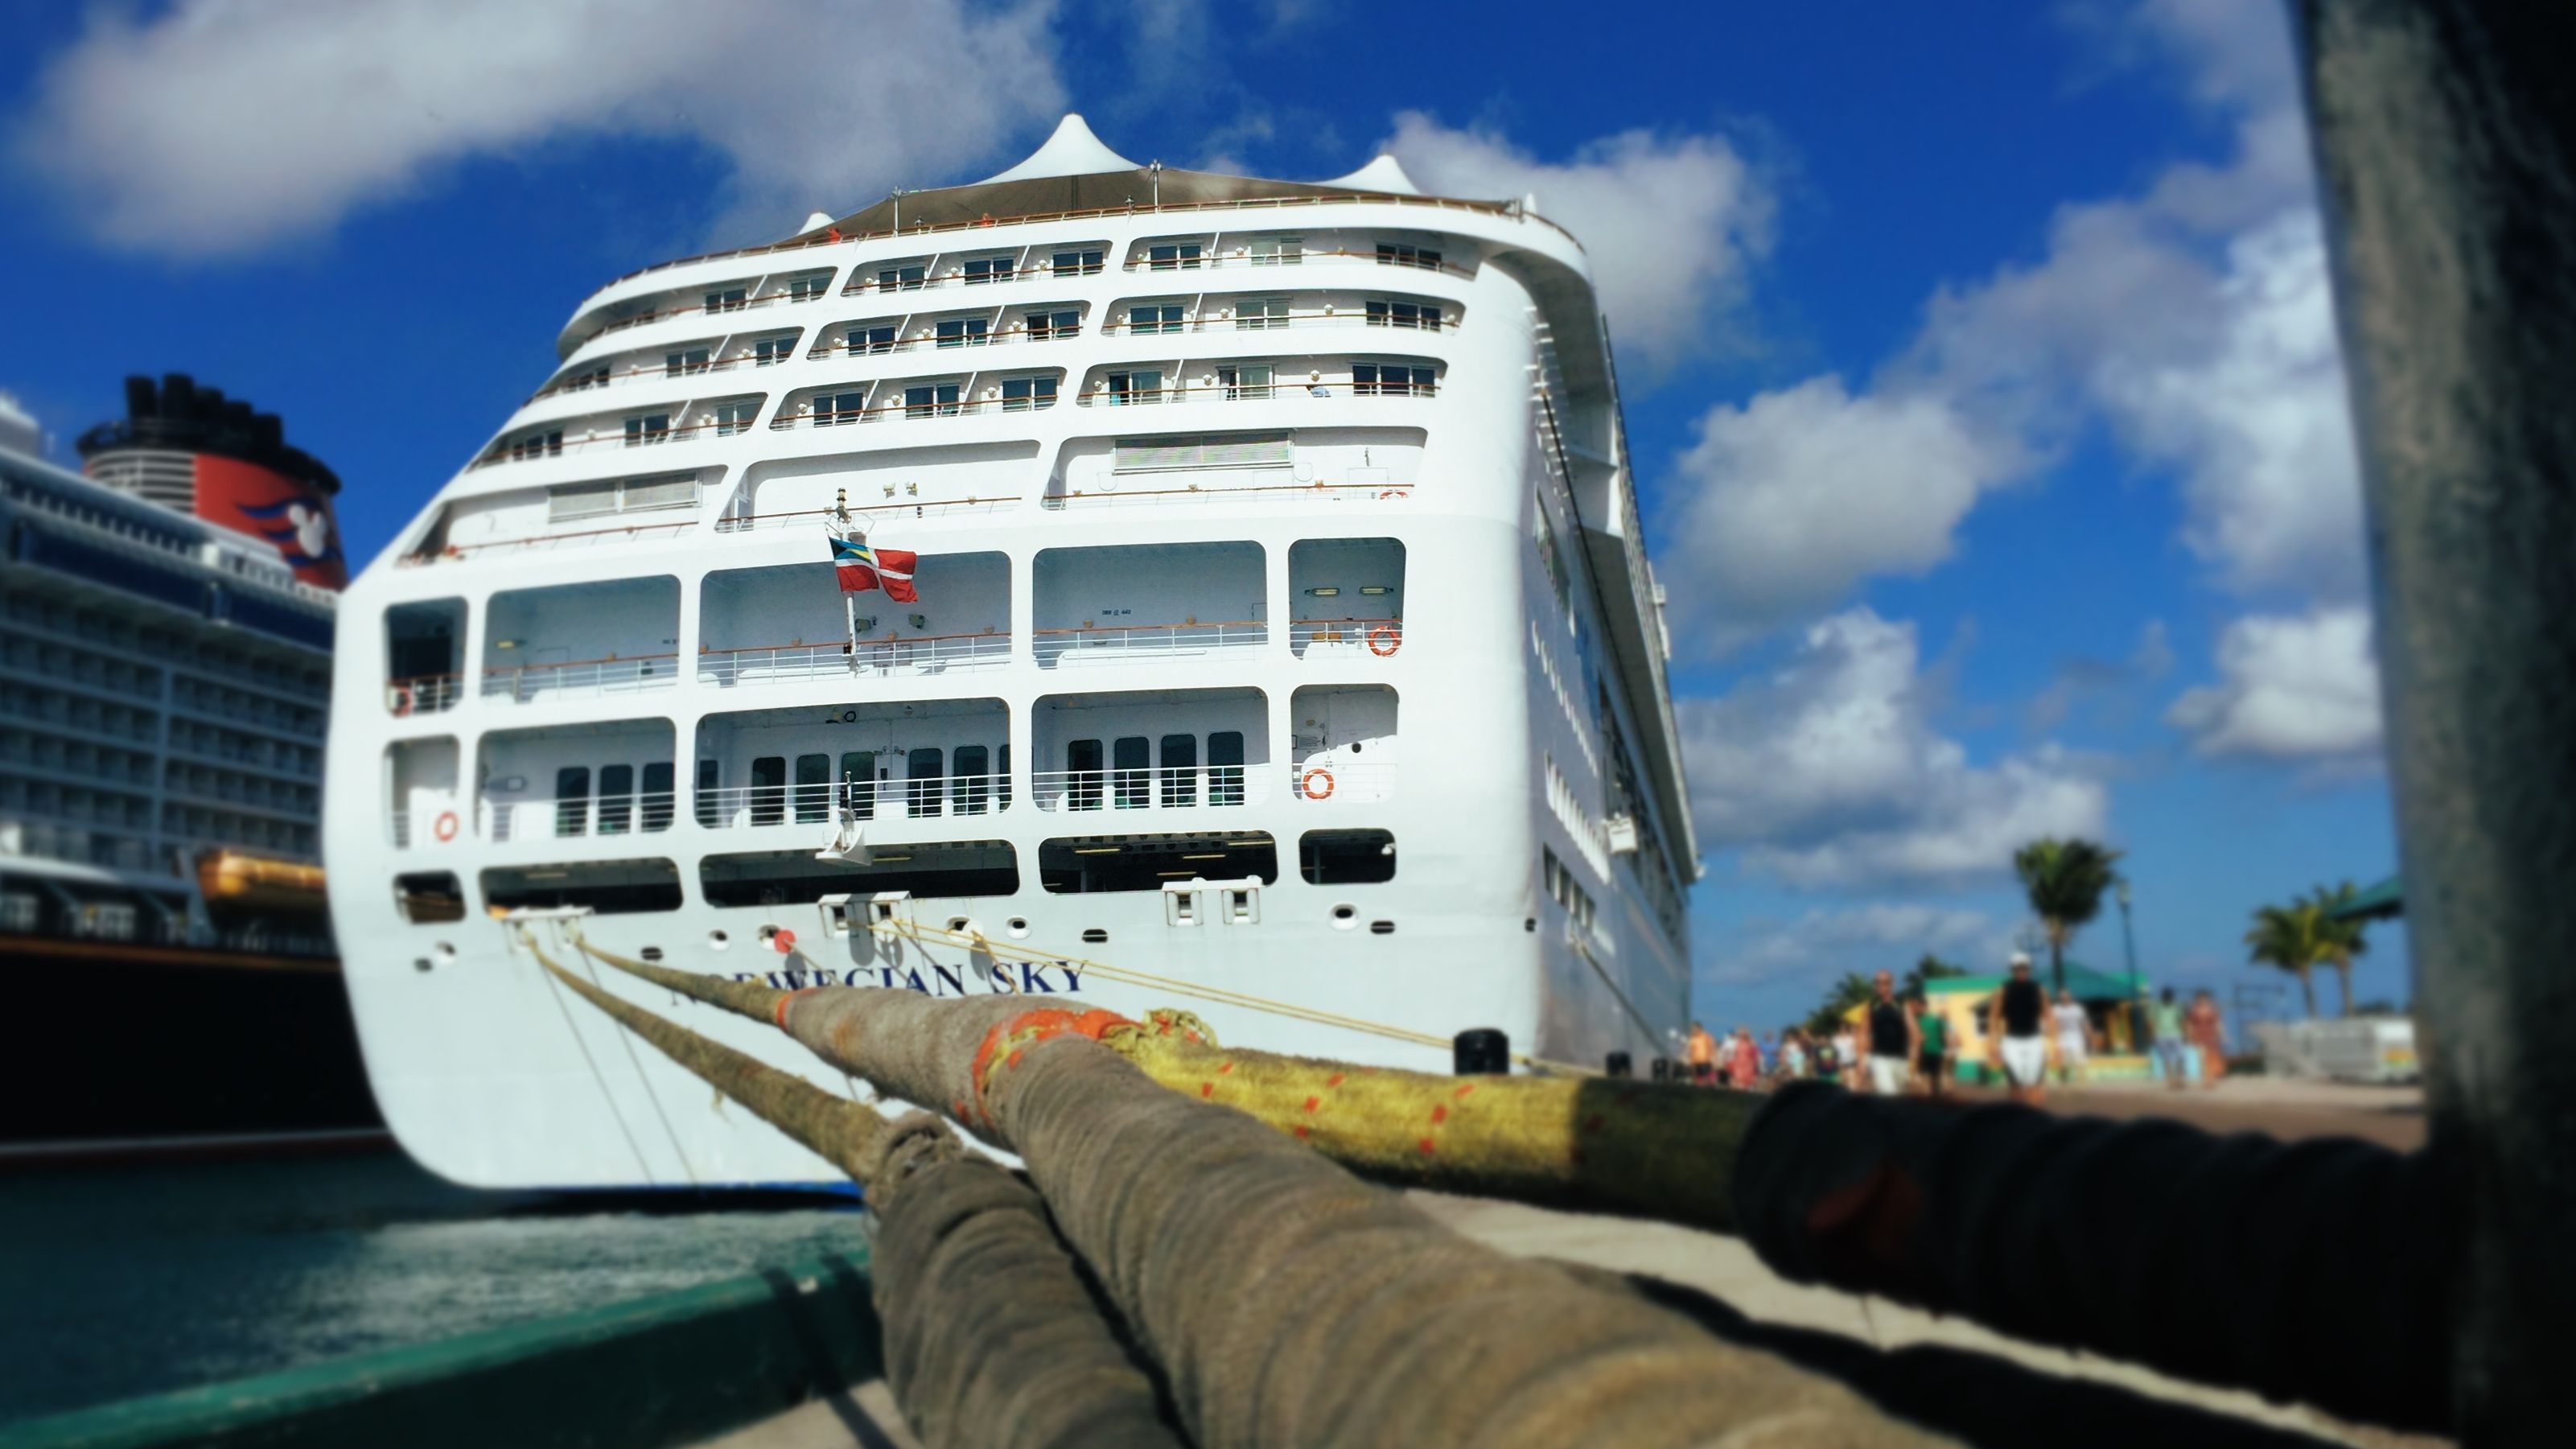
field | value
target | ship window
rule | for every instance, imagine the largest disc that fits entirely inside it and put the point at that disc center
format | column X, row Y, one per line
column 988, row 269
column 729, row 299
column 1346, row 857
column 923, row 787
column 1002, row 768
column 1082, row 766
column 859, row 784
column 616, row 799
column 1172, row 256
column 1277, row 251
column 1180, row 770
column 1383, row 312
column 566, row 501
column 1087, row 865
column 735, row 417
column 963, row 332
column 875, row 338
column 1129, row 388
column 1020, row 394
column 944, row 870
column 692, row 360
column 813, row 788
column 1216, row 450
column 935, row 400
column 808, row 287
column 609, row 887
column 429, row 897
column 548, row 444
column 1058, row 325
column 768, row 789
column 770, row 351
column 1076, row 263
column 1131, row 785
column 1225, row 767
column 973, row 765
column 1154, row 318
column 1259, row 314
column 1249, row 382
column 679, row 490
column 908, row 279
column 648, row 428
column 707, row 805
column 656, row 797
column 1389, row 379
column 572, row 799
column 834, row 408
column 1405, row 254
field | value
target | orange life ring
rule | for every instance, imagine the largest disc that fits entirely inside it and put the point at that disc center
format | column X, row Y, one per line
column 402, row 700
column 1392, row 641
column 445, row 826
column 1308, row 784
column 1387, row 493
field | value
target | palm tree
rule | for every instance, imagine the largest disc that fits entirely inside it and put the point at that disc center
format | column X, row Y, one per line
column 2065, row 880
column 1840, row 997
column 2289, row 937
column 2338, row 940
column 1926, row 971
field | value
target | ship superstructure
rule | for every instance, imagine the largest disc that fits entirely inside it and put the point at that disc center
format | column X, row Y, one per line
column 1279, row 622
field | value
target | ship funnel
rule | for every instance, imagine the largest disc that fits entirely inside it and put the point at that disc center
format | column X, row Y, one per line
column 142, row 399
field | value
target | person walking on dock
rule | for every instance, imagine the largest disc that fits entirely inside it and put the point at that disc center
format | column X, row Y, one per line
column 2074, row 1036
column 1893, row 1040
column 1702, row 1055
column 2164, row 1019
column 1932, row 1046
column 2017, row 1013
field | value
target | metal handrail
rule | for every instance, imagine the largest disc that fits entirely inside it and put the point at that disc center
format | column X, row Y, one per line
column 918, row 507
column 523, row 682
column 1381, row 637
column 642, row 812
column 500, row 453
column 1155, row 788
column 423, row 693
column 782, row 663
column 934, row 797
column 1253, row 392
column 1148, row 640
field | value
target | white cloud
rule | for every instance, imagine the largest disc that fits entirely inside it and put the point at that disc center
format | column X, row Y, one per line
column 1671, row 223
column 2297, row 687
column 1880, row 936
column 1786, row 503
column 1830, row 771
column 222, row 128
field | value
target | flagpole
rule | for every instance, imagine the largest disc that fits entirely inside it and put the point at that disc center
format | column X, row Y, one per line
column 849, row 601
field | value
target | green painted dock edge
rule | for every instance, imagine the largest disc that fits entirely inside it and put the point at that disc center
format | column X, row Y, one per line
column 669, row 1369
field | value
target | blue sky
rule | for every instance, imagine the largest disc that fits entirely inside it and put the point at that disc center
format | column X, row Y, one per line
column 1978, row 366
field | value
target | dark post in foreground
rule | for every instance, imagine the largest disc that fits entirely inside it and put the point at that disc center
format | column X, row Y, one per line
column 2445, row 131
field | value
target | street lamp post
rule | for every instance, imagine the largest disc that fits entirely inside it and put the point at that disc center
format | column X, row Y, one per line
column 2128, row 939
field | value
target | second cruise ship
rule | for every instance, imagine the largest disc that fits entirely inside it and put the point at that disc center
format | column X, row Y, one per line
column 1152, row 586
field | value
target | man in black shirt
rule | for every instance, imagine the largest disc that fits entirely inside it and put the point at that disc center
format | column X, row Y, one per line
column 2013, row 1017
column 1893, row 1038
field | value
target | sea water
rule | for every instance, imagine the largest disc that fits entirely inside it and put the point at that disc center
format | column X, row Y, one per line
column 117, row 1281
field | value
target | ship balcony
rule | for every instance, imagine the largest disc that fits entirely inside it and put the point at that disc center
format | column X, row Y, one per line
column 1351, row 591
column 653, row 425
column 694, row 357
column 1199, row 598
column 1208, row 787
column 583, row 641
column 1093, row 644
column 960, row 623
column 612, row 777
column 1178, row 749
column 615, row 810
column 424, row 673
column 926, row 760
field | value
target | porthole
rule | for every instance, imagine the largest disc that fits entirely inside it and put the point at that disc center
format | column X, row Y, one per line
column 1094, row 936
column 1018, row 926
column 1381, row 928
column 1345, row 917
column 421, row 964
column 717, row 940
column 444, row 953
column 651, row 953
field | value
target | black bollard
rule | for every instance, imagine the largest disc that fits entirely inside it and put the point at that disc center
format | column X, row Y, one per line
column 1481, row 1051
column 1618, row 1065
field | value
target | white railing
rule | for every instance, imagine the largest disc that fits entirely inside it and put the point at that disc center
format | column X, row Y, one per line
column 1273, row 391
column 1186, row 788
column 534, row 818
column 583, row 677
column 1342, row 637
column 1091, row 645
column 423, row 694
column 1342, row 781
column 578, row 538
column 788, row 663
column 931, row 798
column 1367, row 492
column 825, row 517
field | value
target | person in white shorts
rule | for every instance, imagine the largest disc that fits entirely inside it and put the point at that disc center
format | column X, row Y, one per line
column 2016, row 1015
column 2074, row 1036
column 1893, row 1038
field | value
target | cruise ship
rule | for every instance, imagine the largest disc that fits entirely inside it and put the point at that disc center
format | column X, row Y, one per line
column 1130, row 585
column 165, row 664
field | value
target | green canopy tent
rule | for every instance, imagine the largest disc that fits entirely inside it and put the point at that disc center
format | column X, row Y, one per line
column 2379, row 903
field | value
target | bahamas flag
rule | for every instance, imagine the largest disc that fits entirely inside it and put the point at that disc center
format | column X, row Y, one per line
column 861, row 568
